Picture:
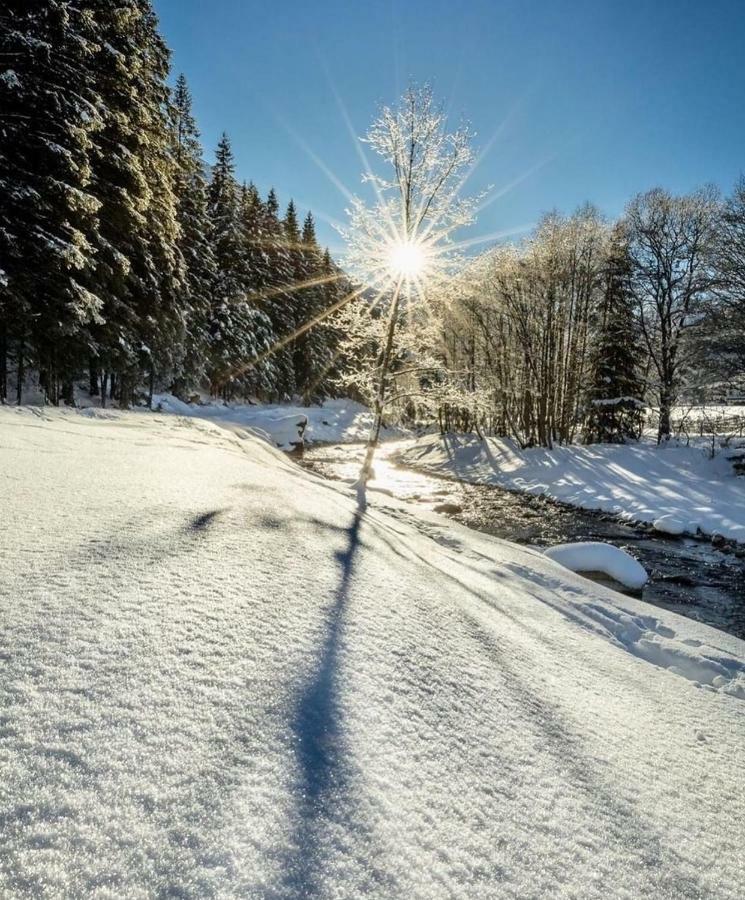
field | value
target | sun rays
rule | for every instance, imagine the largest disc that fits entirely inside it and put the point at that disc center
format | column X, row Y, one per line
column 409, row 245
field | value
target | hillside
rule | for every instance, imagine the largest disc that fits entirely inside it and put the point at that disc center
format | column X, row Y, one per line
column 219, row 679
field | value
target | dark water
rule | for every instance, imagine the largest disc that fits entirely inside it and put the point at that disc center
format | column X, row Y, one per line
column 687, row 576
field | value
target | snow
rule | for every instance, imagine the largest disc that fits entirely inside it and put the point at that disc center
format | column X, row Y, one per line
column 336, row 421
column 682, row 486
column 596, row 556
column 220, row 680
column 669, row 525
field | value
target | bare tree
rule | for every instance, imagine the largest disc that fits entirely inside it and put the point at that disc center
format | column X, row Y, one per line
column 671, row 243
column 722, row 348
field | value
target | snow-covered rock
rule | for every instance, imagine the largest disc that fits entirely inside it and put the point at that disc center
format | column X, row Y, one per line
column 669, row 525
column 220, row 679
column 595, row 556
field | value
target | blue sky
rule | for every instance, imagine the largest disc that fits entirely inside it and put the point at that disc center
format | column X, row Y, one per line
column 596, row 99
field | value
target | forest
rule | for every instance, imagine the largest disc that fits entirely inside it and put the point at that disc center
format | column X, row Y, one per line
column 125, row 260
column 130, row 265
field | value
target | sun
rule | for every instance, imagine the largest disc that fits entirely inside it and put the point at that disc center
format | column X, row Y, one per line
column 406, row 259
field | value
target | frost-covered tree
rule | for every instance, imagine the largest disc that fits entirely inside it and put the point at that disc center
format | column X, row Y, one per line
column 400, row 243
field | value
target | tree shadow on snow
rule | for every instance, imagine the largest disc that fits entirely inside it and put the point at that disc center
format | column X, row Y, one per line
column 203, row 521
column 319, row 743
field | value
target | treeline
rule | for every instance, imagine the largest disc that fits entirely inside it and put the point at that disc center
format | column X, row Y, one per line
column 124, row 260
column 577, row 330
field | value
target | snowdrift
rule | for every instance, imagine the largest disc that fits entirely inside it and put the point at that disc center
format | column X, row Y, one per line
column 334, row 422
column 219, row 679
column 679, row 489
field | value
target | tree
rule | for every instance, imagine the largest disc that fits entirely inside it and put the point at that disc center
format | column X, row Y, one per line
column 48, row 213
column 139, row 270
column 671, row 244
column 240, row 332
column 193, row 243
column 615, row 413
column 418, row 208
column 721, row 349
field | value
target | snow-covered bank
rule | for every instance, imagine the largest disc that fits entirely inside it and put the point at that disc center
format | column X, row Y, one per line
column 642, row 481
column 220, row 680
column 336, row 421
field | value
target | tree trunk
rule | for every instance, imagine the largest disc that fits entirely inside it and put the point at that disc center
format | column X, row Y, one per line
column 104, row 385
column 151, row 388
column 3, row 362
column 385, row 362
column 68, row 392
column 664, row 429
column 20, row 373
column 93, row 377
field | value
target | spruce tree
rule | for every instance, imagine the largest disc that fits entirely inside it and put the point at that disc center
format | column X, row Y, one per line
column 193, row 242
column 313, row 349
column 279, row 303
column 139, row 267
column 615, row 406
column 47, row 213
column 240, row 332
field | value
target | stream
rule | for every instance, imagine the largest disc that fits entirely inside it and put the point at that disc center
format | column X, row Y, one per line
column 687, row 575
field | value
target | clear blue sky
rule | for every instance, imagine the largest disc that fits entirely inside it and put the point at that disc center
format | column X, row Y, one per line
column 600, row 98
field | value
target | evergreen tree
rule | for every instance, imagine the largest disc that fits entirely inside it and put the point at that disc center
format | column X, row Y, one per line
column 313, row 353
column 615, row 397
column 240, row 332
column 47, row 211
column 278, row 292
column 193, row 242
column 139, row 268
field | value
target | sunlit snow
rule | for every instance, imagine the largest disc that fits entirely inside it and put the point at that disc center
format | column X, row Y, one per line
column 220, row 679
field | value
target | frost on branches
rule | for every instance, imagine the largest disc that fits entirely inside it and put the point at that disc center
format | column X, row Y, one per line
column 403, row 248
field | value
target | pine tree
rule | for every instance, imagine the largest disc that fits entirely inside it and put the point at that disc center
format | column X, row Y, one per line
column 240, row 332
column 47, row 212
column 193, row 243
column 139, row 268
column 279, row 303
column 313, row 352
column 615, row 397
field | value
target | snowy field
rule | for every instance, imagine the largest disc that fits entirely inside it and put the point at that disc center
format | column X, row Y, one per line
column 680, row 485
column 219, row 680
column 335, row 422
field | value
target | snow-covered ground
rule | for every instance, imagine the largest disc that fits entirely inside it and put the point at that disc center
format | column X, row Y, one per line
column 220, row 680
column 641, row 481
column 337, row 421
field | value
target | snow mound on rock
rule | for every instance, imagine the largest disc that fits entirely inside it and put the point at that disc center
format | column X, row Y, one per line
column 595, row 556
column 669, row 525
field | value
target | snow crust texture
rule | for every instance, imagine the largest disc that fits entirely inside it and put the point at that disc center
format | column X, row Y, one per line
column 219, row 679
column 679, row 489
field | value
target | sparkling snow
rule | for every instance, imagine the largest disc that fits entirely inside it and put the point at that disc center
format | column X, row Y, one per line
column 678, row 485
column 219, row 680
column 334, row 422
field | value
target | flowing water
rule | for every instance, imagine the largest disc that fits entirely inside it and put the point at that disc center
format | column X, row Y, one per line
column 687, row 576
